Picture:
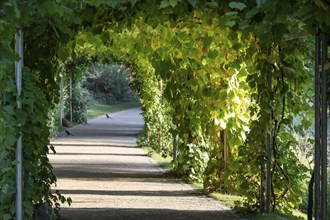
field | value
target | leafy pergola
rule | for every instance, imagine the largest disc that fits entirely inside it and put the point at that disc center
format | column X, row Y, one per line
column 235, row 77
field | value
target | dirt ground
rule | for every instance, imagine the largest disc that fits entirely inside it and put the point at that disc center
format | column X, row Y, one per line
column 109, row 177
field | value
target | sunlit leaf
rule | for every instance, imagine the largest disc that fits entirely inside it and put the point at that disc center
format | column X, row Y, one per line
column 237, row 5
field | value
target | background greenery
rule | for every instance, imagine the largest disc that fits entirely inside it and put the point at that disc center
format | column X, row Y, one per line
column 96, row 109
column 109, row 84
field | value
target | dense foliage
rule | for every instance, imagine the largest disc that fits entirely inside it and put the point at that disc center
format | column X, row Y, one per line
column 109, row 84
column 37, row 171
column 214, row 61
column 80, row 97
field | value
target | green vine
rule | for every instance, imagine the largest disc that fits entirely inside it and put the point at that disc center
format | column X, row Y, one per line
column 212, row 57
column 37, row 170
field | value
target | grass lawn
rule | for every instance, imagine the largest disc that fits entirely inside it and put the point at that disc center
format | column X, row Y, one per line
column 164, row 162
column 100, row 109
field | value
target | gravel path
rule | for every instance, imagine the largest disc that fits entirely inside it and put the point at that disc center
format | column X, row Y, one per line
column 109, row 177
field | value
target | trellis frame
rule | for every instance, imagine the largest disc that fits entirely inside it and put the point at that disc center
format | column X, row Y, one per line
column 321, row 120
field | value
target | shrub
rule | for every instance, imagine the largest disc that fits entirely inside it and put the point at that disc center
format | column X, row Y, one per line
column 110, row 84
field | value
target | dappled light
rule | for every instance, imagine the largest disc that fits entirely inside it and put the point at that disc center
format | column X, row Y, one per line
column 105, row 179
column 234, row 92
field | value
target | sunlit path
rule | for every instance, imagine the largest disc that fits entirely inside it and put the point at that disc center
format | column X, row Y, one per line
column 109, row 177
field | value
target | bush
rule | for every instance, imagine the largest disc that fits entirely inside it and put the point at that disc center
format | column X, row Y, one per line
column 110, row 84
column 80, row 101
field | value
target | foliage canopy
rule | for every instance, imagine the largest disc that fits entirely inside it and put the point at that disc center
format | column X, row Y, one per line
column 212, row 58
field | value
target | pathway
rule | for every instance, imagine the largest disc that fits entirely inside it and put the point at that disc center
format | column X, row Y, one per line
column 109, row 177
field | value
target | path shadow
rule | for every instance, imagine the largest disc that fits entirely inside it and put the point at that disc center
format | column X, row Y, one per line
column 94, row 133
column 158, row 193
column 154, row 188
column 102, row 154
column 145, row 214
column 111, row 176
column 55, row 144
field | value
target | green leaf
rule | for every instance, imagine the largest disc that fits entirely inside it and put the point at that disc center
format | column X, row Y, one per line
column 206, row 92
column 204, row 62
column 28, row 206
column 3, row 164
column 305, row 12
column 193, row 2
column 173, row 2
column 234, row 165
column 166, row 3
column 64, row 29
column 231, row 13
column 51, row 7
column 233, row 36
column 133, row 2
column 230, row 23
column 237, row 5
column 17, row 12
column 10, row 8
column 244, row 24
column 6, row 217
column 9, row 109
column 207, row 42
column 278, row 30
column 112, row 3
column 39, row 29
column 252, row 13
column 212, row 54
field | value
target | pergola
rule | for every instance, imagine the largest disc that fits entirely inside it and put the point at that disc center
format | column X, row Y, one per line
column 322, row 44
column 319, row 200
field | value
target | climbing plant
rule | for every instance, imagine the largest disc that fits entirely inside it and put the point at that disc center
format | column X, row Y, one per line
column 37, row 171
column 40, row 90
column 214, row 60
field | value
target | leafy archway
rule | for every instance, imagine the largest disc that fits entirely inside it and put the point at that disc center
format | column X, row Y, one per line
column 235, row 77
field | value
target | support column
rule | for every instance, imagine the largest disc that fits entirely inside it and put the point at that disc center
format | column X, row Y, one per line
column 62, row 100
column 324, row 126
column 160, row 137
column 317, row 129
column 262, row 188
column 71, row 110
column 175, row 148
column 268, row 150
column 225, row 153
column 321, row 101
column 19, row 171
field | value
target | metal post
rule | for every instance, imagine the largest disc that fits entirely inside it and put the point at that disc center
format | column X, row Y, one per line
column 225, row 153
column 71, row 110
column 317, row 129
column 268, row 151
column 19, row 172
column 62, row 101
column 160, row 139
column 175, row 148
column 324, row 121
column 262, row 188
